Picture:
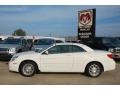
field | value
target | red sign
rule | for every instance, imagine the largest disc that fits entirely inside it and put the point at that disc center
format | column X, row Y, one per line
column 85, row 18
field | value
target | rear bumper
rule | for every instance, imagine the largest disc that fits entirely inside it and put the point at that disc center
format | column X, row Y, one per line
column 110, row 66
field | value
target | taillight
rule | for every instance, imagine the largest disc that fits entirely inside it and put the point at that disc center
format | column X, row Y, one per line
column 110, row 56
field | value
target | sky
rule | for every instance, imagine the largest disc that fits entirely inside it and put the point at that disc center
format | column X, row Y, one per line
column 58, row 21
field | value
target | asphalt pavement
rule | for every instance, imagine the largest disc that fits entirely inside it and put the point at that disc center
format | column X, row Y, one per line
column 12, row 78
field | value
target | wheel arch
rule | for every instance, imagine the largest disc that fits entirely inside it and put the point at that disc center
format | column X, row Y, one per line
column 29, row 61
column 94, row 62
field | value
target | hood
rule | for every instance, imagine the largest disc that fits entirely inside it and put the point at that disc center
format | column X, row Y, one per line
column 8, row 45
column 26, row 53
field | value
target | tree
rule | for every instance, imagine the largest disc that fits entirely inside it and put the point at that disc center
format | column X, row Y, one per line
column 19, row 32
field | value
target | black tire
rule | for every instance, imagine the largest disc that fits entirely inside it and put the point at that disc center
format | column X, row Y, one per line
column 28, row 68
column 94, row 69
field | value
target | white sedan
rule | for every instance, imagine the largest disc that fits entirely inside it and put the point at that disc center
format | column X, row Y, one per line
column 63, row 57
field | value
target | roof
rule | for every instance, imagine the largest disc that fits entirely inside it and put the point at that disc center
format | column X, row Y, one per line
column 88, row 49
column 67, row 43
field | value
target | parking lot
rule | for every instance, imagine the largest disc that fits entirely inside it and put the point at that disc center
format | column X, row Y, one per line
column 12, row 78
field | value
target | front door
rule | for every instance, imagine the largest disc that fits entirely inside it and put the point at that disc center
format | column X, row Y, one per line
column 58, row 59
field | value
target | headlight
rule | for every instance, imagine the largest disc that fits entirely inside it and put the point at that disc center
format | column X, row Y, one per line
column 111, row 50
column 13, row 58
column 12, row 50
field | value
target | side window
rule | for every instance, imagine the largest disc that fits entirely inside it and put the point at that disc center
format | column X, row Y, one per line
column 59, row 49
column 24, row 42
column 77, row 49
column 65, row 49
column 54, row 50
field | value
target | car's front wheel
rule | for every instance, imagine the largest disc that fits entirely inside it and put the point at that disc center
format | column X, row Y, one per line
column 94, row 69
column 28, row 69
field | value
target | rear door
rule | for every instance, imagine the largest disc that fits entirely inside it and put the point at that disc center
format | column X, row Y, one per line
column 80, row 57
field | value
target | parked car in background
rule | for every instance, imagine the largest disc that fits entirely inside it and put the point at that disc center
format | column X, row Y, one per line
column 30, row 43
column 119, row 38
column 1, row 41
column 46, row 42
column 63, row 57
column 10, row 46
column 107, row 43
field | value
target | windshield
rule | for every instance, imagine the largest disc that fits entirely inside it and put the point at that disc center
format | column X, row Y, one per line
column 111, row 41
column 12, row 41
column 44, row 42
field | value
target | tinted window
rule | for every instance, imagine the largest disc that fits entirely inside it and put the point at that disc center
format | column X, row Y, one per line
column 12, row 41
column 44, row 42
column 24, row 42
column 54, row 50
column 65, row 49
column 59, row 41
column 58, row 49
column 77, row 49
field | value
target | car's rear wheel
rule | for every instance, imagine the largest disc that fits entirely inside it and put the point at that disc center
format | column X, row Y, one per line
column 28, row 69
column 94, row 69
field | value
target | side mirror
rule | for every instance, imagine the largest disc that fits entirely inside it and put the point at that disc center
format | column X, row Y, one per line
column 46, row 52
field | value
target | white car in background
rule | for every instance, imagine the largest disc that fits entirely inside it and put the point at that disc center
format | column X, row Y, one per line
column 46, row 42
column 63, row 57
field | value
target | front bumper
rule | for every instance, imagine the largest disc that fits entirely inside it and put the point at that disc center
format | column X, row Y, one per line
column 13, row 66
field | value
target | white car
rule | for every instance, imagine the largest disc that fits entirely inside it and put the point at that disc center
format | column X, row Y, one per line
column 63, row 57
